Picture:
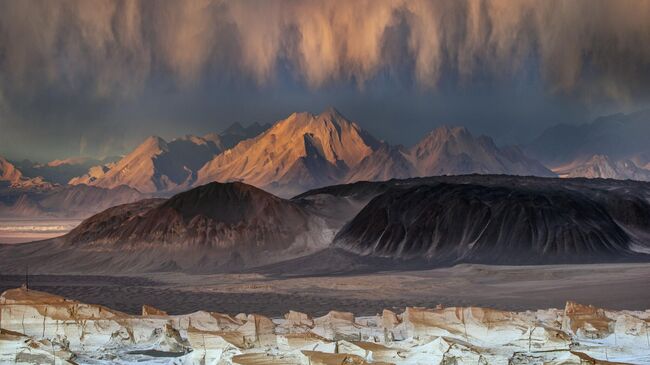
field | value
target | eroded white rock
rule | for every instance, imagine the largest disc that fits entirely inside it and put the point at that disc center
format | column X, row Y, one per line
column 42, row 328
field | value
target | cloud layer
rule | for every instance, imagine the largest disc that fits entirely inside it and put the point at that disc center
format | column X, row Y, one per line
column 93, row 77
column 114, row 48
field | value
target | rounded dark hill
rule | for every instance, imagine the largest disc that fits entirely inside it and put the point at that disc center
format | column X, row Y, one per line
column 230, row 203
column 211, row 228
column 218, row 215
column 110, row 220
column 452, row 223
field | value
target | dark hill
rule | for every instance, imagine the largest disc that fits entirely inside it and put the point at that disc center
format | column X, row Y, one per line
column 449, row 223
column 211, row 228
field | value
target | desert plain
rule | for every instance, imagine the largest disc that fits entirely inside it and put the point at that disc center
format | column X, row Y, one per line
column 613, row 286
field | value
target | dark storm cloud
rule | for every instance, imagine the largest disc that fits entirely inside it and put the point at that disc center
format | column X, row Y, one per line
column 96, row 59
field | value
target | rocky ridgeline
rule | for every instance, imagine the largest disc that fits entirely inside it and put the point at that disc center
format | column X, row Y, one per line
column 40, row 328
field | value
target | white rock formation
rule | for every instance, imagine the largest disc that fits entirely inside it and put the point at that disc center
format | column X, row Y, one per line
column 39, row 328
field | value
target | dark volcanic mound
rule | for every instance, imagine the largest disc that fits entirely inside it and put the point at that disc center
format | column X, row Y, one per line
column 449, row 223
column 214, row 214
column 211, row 228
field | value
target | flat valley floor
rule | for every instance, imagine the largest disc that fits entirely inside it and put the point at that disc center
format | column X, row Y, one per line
column 17, row 230
column 614, row 286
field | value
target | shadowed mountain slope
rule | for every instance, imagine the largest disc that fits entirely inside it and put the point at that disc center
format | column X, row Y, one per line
column 448, row 223
column 492, row 219
column 236, row 133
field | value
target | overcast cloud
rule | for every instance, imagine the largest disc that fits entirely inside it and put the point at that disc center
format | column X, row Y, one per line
column 93, row 77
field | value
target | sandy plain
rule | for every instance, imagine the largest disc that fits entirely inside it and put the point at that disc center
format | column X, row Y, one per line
column 614, row 286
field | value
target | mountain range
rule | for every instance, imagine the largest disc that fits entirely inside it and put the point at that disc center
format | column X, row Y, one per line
column 307, row 151
column 302, row 152
column 155, row 165
column 12, row 177
column 295, row 154
column 68, row 201
column 602, row 166
column 61, row 171
column 613, row 146
column 159, row 166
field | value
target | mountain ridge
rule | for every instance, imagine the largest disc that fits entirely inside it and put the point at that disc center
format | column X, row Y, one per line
column 71, row 201
column 619, row 136
column 305, row 151
column 446, row 150
column 14, row 178
column 155, row 165
column 602, row 166
column 299, row 146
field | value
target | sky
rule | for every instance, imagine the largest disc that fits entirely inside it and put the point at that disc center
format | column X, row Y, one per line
column 94, row 78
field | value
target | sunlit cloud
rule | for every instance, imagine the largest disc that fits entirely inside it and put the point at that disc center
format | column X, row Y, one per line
column 113, row 47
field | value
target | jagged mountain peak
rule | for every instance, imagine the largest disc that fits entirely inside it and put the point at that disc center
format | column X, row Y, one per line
column 234, row 128
column 236, row 133
column 191, row 138
column 249, row 131
column 153, row 141
column 385, row 163
column 603, row 166
column 331, row 112
column 300, row 152
column 446, row 134
column 330, row 117
column 151, row 145
column 9, row 172
column 451, row 150
column 449, row 130
column 307, row 150
column 13, row 176
column 214, row 138
column 155, row 165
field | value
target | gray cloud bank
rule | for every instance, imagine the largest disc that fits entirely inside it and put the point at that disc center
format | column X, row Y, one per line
column 112, row 50
column 112, row 47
